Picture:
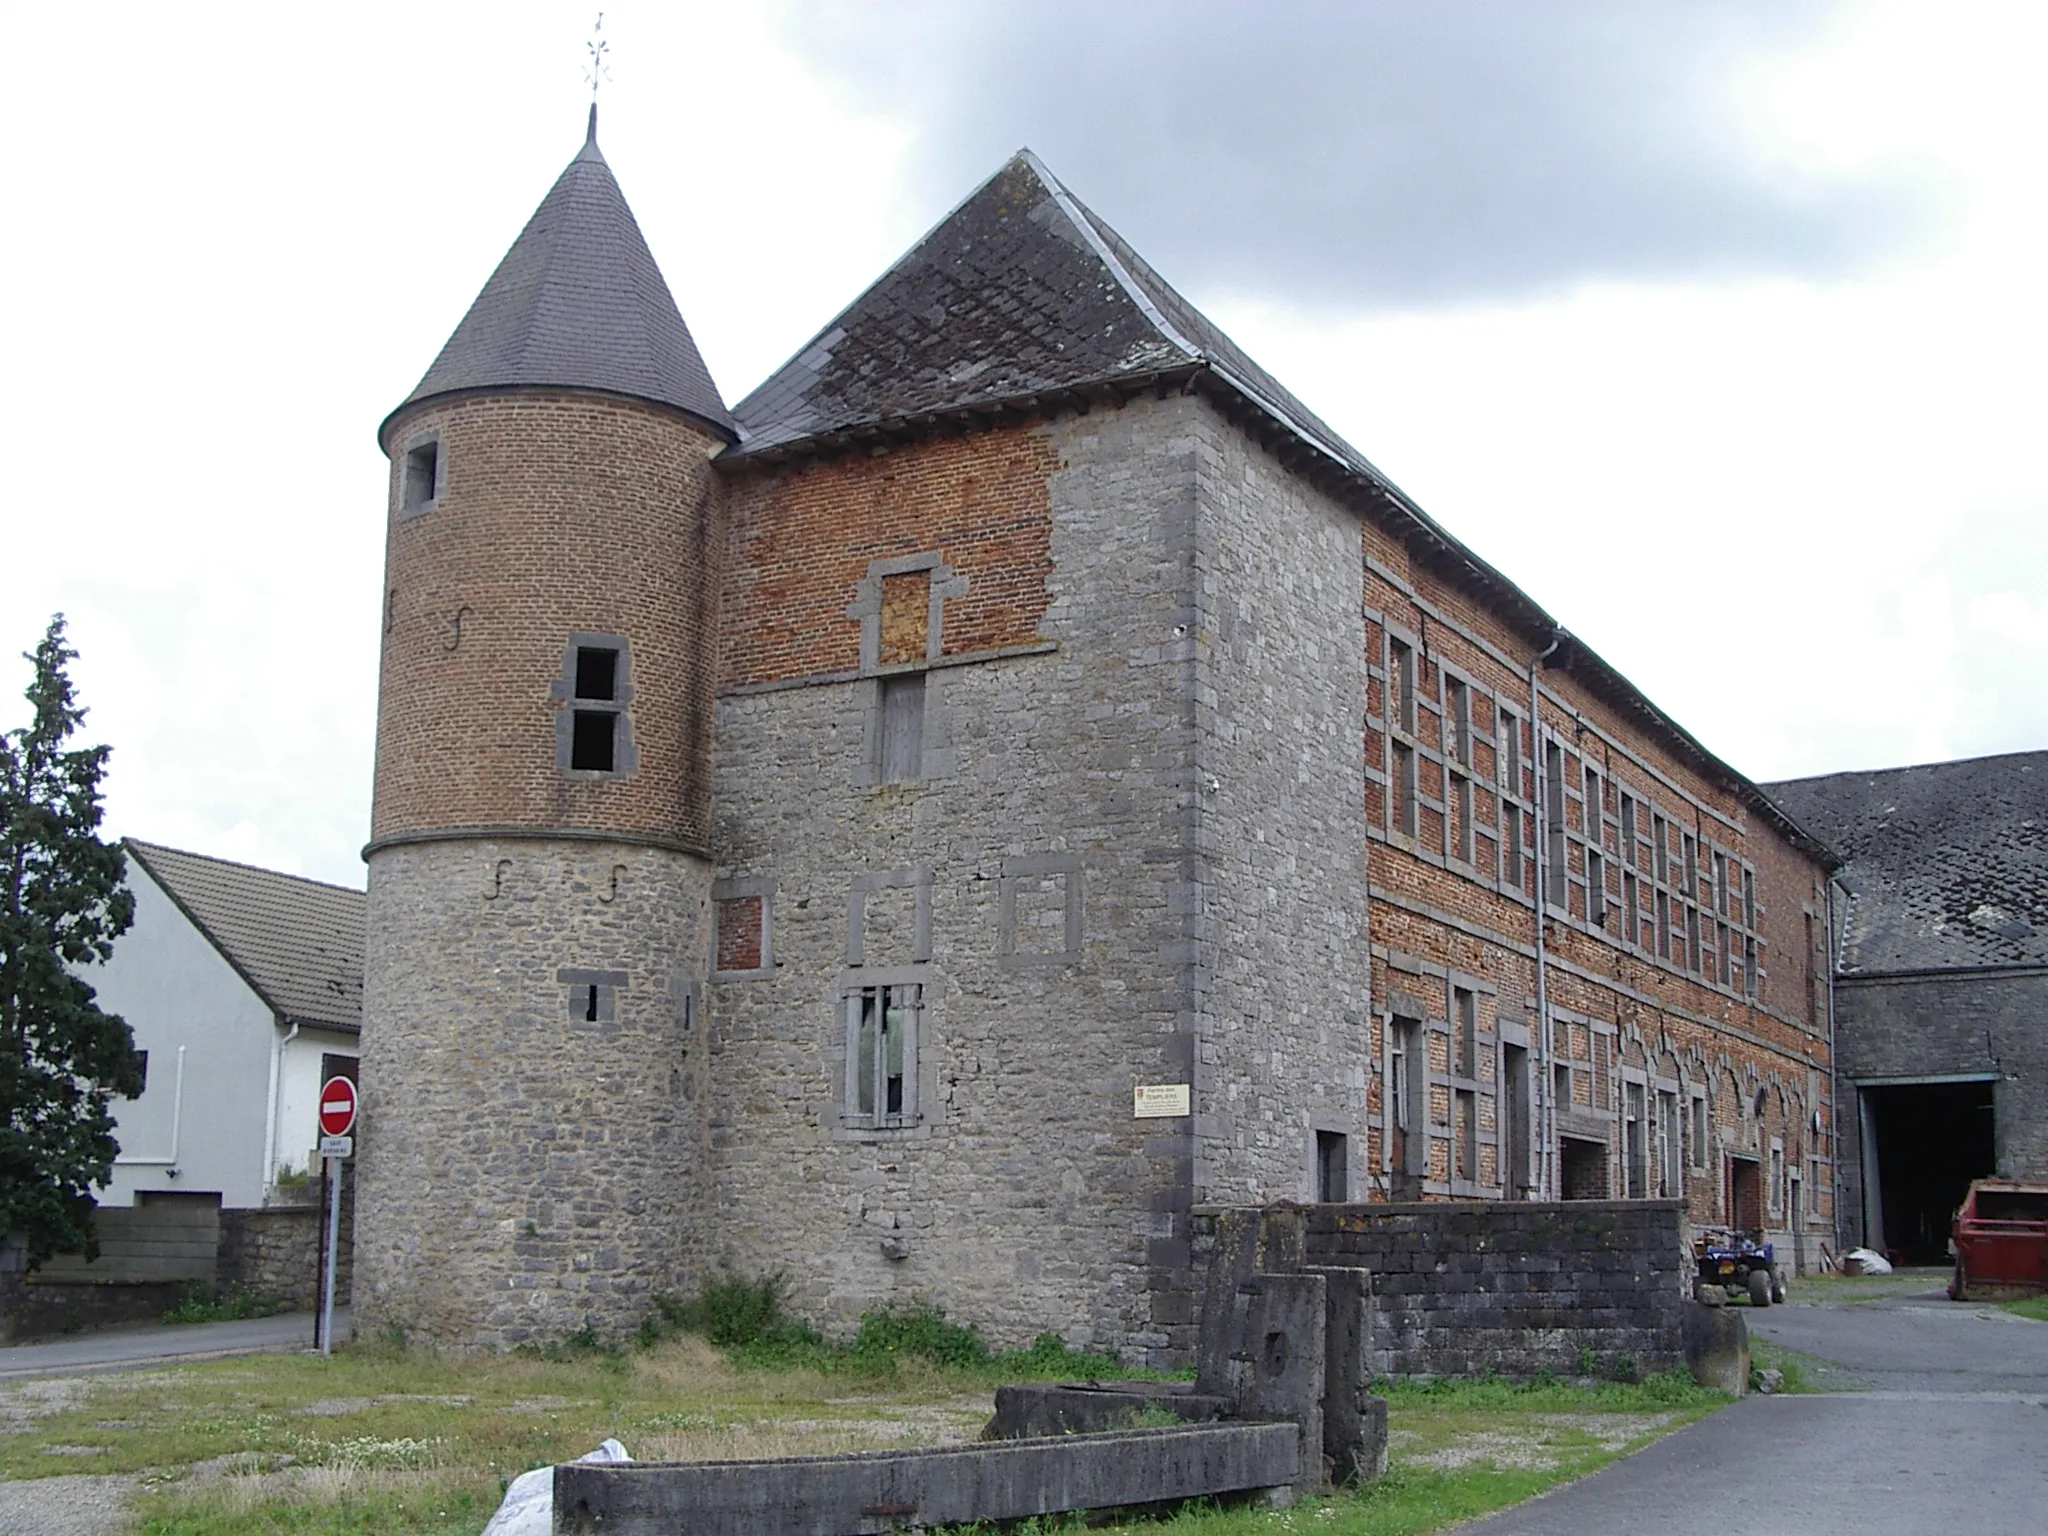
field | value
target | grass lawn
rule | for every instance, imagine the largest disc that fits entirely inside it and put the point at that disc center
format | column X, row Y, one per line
column 1839, row 1288
column 390, row 1440
column 2035, row 1307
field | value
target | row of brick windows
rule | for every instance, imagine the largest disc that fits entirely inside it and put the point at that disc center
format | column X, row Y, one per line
column 1462, row 783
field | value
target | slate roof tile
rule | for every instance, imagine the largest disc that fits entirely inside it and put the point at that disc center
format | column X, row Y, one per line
column 578, row 302
column 1947, row 863
column 297, row 942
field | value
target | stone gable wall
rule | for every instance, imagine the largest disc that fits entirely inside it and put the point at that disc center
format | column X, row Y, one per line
column 1057, row 805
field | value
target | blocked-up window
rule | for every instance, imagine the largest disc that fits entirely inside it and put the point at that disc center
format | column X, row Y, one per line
column 906, row 617
column 1635, row 1143
column 902, row 732
column 1699, row 1130
column 1333, row 1173
column 1401, row 685
column 881, row 1054
column 1458, row 722
column 1406, row 817
column 739, row 934
column 1465, row 1007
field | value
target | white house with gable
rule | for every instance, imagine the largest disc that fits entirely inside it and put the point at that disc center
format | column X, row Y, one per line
column 245, row 988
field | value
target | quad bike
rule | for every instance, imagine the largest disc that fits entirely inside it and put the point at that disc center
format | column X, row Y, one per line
column 1740, row 1262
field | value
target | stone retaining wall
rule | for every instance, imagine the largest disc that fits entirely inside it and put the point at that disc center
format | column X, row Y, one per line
column 275, row 1251
column 1515, row 1287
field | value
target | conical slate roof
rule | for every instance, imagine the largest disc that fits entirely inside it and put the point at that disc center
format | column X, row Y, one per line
column 578, row 302
column 1020, row 291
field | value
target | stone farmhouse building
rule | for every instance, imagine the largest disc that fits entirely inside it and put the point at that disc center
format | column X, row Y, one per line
column 1014, row 780
column 1940, row 986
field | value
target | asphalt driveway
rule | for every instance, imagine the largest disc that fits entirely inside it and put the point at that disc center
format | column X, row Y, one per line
column 1944, row 1428
column 122, row 1348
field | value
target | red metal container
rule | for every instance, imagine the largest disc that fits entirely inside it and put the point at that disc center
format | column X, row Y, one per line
column 2000, row 1239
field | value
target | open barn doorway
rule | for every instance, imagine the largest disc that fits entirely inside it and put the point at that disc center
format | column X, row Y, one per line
column 1922, row 1145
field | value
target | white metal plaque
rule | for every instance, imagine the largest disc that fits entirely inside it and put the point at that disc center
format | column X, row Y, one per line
column 1159, row 1101
column 337, row 1146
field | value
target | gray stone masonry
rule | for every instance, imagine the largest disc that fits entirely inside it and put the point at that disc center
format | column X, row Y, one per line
column 1516, row 1288
column 1178, row 786
column 525, row 1173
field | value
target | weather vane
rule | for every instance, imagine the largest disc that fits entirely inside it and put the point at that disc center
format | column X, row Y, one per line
column 598, row 70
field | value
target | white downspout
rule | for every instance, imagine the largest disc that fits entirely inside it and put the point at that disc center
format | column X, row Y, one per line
column 272, row 1109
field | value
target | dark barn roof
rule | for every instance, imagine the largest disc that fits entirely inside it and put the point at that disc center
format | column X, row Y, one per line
column 578, row 303
column 1022, row 299
column 1947, row 863
column 297, row 943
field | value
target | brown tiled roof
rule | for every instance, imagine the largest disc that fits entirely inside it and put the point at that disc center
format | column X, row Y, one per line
column 1946, row 863
column 578, row 303
column 298, row 943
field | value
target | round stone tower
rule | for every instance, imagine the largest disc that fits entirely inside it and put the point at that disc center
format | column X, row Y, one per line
column 539, row 907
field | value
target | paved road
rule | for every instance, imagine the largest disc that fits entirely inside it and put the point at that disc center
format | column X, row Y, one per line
column 124, row 1348
column 1948, row 1432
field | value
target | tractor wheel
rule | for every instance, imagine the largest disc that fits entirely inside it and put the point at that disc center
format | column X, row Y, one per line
column 1778, row 1291
column 1959, row 1287
column 1759, row 1288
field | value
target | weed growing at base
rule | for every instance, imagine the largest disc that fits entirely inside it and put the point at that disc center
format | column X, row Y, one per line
column 201, row 1304
column 747, row 1318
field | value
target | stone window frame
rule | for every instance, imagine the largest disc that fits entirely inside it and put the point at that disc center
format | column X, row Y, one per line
column 914, row 877
column 936, row 754
column 927, row 1116
column 1012, row 872
column 581, row 984
column 406, row 511
column 739, row 889
column 562, row 692
column 1350, row 1143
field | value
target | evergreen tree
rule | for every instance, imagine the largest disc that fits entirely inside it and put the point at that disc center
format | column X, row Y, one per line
column 63, row 902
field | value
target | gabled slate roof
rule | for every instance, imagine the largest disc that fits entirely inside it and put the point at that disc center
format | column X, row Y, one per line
column 578, row 302
column 298, row 943
column 1022, row 299
column 1020, row 291
column 1947, row 863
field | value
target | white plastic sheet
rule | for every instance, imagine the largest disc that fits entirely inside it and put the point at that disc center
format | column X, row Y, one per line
column 529, row 1507
column 1873, row 1263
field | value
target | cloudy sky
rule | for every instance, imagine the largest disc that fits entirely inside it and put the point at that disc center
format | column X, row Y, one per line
column 1718, row 327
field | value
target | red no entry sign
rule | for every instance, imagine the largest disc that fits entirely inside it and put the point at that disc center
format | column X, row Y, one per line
column 337, row 1106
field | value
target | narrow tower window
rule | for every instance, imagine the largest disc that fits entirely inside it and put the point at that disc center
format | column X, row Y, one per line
column 422, row 476
column 592, row 729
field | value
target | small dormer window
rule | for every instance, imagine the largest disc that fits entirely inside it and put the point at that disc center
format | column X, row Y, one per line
column 422, row 476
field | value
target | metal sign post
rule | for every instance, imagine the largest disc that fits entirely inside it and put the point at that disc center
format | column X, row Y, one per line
column 337, row 1119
